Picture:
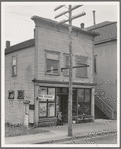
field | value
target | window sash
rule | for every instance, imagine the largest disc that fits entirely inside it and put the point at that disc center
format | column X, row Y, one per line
column 14, row 72
column 66, row 71
column 20, row 94
column 52, row 66
column 82, row 71
column 14, row 61
column 11, row 95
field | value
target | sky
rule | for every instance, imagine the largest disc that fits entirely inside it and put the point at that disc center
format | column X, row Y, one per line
column 17, row 25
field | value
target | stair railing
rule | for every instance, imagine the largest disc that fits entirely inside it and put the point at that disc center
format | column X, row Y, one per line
column 102, row 105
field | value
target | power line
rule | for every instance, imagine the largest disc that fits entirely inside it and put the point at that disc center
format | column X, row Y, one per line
column 18, row 18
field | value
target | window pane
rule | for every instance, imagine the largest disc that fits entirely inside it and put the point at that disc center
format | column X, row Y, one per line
column 20, row 94
column 11, row 94
column 82, row 71
column 81, row 108
column 87, row 95
column 13, row 70
column 51, row 91
column 52, row 56
column 51, row 109
column 80, row 95
column 52, row 66
column 43, row 109
column 14, row 61
column 42, row 91
column 87, row 108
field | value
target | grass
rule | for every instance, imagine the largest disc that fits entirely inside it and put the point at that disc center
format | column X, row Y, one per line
column 12, row 130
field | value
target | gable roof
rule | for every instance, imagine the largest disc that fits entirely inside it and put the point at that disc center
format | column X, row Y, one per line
column 20, row 46
column 107, row 30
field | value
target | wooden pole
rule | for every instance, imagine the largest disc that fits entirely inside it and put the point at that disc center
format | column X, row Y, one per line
column 70, row 76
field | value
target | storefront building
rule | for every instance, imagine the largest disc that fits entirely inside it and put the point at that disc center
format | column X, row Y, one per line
column 37, row 84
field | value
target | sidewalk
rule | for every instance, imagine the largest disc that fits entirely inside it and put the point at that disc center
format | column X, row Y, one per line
column 61, row 132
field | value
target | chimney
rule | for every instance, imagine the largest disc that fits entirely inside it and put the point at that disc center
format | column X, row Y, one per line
column 82, row 25
column 7, row 44
column 94, row 17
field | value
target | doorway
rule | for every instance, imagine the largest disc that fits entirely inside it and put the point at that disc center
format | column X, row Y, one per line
column 64, row 108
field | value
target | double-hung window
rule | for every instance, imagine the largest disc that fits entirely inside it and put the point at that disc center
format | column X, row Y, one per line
column 14, row 66
column 81, row 71
column 66, row 61
column 52, row 62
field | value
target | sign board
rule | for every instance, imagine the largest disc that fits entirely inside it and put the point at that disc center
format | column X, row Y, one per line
column 44, row 97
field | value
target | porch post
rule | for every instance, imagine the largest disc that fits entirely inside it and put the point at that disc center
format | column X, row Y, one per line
column 93, row 104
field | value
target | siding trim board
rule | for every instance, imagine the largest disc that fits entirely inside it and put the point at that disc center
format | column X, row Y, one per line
column 61, row 82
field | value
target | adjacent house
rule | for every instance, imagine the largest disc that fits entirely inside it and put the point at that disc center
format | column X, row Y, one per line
column 36, row 81
column 105, row 67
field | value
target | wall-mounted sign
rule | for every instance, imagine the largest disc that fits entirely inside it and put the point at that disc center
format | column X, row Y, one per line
column 44, row 97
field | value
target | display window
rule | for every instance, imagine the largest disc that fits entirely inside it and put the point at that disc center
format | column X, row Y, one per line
column 84, row 101
column 46, row 98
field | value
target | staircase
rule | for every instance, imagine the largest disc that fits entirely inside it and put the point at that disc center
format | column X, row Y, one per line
column 103, row 110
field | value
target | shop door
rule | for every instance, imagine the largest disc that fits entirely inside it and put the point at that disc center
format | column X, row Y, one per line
column 64, row 107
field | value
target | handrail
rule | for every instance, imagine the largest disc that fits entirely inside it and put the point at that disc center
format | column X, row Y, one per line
column 106, row 104
column 103, row 103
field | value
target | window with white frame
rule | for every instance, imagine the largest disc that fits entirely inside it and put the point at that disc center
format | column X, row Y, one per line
column 14, row 66
column 52, row 63
column 66, row 61
column 81, row 71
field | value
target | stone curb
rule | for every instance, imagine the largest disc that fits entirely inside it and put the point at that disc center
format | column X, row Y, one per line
column 73, row 137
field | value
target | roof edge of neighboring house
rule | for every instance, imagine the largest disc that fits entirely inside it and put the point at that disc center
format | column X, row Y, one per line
column 20, row 46
column 104, row 41
column 99, row 25
column 55, row 23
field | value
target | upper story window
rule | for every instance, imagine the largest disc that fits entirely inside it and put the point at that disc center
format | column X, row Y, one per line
column 52, row 62
column 14, row 66
column 95, row 61
column 81, row 71
column 66, row 61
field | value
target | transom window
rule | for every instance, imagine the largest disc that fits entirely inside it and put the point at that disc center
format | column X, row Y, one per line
column 52, row 63
column 81, row 71
column 14, row 66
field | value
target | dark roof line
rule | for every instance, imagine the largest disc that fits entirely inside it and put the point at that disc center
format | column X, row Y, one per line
column 20, row 46
column 106, row 23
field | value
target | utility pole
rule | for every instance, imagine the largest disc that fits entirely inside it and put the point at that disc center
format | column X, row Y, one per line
column 70, row 59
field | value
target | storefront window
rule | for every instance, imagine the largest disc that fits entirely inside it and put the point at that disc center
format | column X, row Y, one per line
column 46, row 97
column 84, row 102
column 74, row 103
column 43, row 109
column 51, row 109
